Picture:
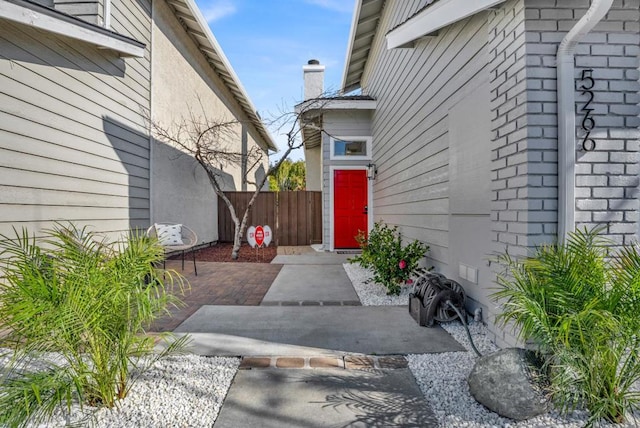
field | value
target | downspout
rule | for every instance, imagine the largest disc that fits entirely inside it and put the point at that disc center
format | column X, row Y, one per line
column 567, row 115
column 152, row 181
column 106, row 11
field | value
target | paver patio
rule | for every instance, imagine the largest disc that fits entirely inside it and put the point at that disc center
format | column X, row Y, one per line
column 219, row 284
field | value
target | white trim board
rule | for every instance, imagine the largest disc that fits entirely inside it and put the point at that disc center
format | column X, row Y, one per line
column 48, row 21
column 367, row 140
column 435, row 17
column 326, row 104
column 332, row 168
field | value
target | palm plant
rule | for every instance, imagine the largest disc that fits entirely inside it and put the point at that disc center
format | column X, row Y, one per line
column 578, row 301
column 76, row 307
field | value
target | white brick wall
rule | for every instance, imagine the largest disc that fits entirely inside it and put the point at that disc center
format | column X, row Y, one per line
column 510, row 158
column 523, row 40
column 607, row 178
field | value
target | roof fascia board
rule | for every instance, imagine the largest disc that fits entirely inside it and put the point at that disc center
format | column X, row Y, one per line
column 439, row 15
column 327, row 105
column 226, row 65
column 352, row 38
column 50, row 20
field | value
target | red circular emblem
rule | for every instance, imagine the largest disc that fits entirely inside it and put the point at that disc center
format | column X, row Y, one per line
column 259, row 236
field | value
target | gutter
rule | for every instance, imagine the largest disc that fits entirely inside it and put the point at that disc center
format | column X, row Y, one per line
column 567, row 115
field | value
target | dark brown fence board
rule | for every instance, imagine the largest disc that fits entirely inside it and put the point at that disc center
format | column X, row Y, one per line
column 294, row 217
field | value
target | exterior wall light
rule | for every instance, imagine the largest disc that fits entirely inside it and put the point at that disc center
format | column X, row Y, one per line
column 372, row 171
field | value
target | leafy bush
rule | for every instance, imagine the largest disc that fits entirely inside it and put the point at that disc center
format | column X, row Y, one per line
column 86, row 301
column 382, row 251
column 580, row 304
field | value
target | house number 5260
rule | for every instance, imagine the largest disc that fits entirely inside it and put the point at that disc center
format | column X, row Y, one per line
column 588, row 122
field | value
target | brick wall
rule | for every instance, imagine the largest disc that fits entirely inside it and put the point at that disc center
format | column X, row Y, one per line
column 510, row 158
column 606, row 178
column 523, row 41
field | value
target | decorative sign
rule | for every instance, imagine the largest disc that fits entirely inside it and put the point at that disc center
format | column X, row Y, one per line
column 267, row 235
column 259, row 236
column 251, row 236
column 588, row 122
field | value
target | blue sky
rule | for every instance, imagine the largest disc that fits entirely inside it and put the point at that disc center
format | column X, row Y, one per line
column 268, row 41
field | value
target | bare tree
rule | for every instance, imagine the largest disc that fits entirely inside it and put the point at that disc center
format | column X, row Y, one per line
column 212, row 143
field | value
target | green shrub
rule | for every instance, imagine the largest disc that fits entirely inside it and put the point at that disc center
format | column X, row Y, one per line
column 382, row 251
column 580, row 303
column 88, row 302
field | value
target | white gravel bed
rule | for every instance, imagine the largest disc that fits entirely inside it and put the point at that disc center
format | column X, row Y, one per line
column 443, row 377
column 183, row 391
column 178, row 391
column 371, row 293
column 443, row 381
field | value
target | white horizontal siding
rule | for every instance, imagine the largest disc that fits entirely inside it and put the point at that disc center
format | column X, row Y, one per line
column 73, row 145
column 115, row 83
column 414, row 89
column 46, row 197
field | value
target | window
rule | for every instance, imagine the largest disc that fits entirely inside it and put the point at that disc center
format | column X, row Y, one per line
column 351, row 147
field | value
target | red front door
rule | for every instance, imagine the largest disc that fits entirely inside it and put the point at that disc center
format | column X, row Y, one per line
column 350, row 206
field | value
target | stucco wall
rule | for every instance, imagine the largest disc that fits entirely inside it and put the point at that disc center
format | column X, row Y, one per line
column 184, row 83
column 313, row 163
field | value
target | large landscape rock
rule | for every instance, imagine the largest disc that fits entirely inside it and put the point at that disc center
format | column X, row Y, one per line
column 507, row 382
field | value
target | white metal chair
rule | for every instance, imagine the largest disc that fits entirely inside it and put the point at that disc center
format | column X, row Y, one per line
column 174, row 237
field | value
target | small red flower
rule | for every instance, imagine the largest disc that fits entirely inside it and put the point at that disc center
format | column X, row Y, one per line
column 402, row 264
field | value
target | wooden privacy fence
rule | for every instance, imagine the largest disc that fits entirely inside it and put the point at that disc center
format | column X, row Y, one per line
column 294, row 217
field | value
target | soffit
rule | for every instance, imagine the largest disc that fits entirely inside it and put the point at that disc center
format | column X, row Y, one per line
column 363, row 30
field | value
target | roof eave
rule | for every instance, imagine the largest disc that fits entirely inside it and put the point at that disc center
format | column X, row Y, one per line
column 364, row 28
column 53, row 21
column 223, row 68
column 331, row 105
column 439, row 15
column 352, row 36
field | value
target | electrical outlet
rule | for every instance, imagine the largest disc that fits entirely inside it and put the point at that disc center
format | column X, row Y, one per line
column 462, row 271
column 472, row 275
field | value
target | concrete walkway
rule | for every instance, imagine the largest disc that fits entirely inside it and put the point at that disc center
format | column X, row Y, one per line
column 280, row 330
column 307, row 283
column 299, row 348
column 273, row 398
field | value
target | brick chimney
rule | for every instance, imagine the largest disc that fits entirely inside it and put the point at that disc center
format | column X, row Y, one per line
column 313, row 79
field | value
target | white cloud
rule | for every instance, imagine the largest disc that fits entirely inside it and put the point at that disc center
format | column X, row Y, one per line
column 344, row 6
column 218, row 9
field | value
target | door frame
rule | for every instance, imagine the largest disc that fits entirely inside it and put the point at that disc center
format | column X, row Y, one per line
column 332, row 168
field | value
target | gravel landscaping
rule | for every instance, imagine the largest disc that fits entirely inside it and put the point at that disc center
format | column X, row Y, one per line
column 370, row 293
column 179, row 391
column 443, row 377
